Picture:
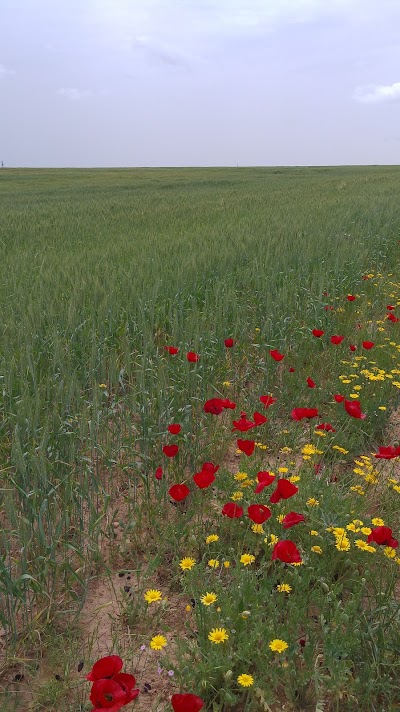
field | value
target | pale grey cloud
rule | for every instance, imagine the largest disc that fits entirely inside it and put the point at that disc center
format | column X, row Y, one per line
column 199, row 82
column 377, row 93
column 74, row 94
column 4, row 71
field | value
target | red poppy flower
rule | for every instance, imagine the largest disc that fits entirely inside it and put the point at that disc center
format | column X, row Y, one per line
column 171, row 350
column 338, row 398
column 368, row 345
column 353, row 347
column 287, row 552
column 107, row 695
column 291, row 369
column 350, row 297
column 210, row 467
column 127, row 682
column 186, row 703
column 318, row 333
column 326, row 426
column 393, row 318
column 300, row 413
column 228, row 404
column 170, row 450
column 267, row 401
column 232, row 510
column 215, row 406
column 336, row 339
column 229, row 343
column 328, row 307
column 264, row 480
column 179, row 492
column 353, row 408
column 291, row 519
column 389, row 306
column 243, row 424
column 388, row 453
column 276, row 355
column 259, row 418
column 174, row 429
column 284, row 490
column 383, row 536
column 258, row 513
column 311, row 383
column 192, row 357
column 204, row 479
column 106, row 667
column 246, row 446
column 158, row 473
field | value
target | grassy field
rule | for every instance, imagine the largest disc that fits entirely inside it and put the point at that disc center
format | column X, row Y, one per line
column 100, row 270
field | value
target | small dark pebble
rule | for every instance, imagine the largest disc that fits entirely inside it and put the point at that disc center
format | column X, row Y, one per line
column 121, row 574
column 58, row 677
column 18, row 677
column 193, row 602
column 147, row 687
column 80, row 666
column 127, row 589
column 128, row 578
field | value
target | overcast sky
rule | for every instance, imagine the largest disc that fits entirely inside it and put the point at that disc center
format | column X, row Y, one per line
column 199, row 82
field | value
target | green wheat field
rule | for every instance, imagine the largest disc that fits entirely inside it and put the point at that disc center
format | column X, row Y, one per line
column 100, row 271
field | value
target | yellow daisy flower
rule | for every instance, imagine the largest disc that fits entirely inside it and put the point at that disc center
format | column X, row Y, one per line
column 152, row 596
column 158, row 642
column 218, row 635
column 278, row 646
column 245, row 680
column 208, row 599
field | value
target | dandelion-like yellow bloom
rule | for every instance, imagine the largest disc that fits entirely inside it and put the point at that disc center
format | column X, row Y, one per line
column 378, row 522
column 240, row 476
column 227, row 564
column 314, row 533
column 381, row 407
column 343, row 544
column 311, row 502
column 188, row 608
column 226, row 383
column 389, row 552
column 208, row 599
column 283, row 588
column 271, row 540
column 247, row 559
column 366, row 531
column 213, row 563
column 280, row 518
column 316, row 549
column 211, row 538
column 187, row 563
column 283, row 469
column 152, row 596
column 359, row 490
column 340, row 449
column 361, row 544
column 237, row 496
column 294, row 478
column 258, row 529
column 218, row 635
column 245, row 680
column 278, row 646
column 158, row 642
